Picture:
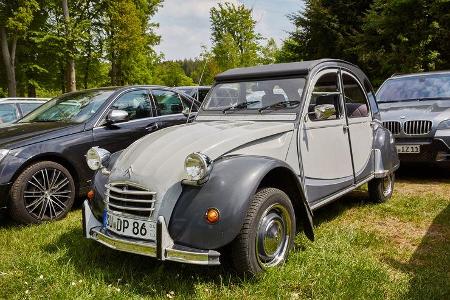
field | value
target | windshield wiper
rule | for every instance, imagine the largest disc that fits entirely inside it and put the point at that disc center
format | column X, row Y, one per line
column 239, row 106
column 279, row 105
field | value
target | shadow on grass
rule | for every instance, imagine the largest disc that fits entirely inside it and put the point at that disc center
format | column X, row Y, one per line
column 136, row 274
column 429, row 265
column 423, row 173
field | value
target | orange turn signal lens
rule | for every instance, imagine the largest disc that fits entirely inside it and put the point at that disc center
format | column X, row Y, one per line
column 212, row 215
column 91, row 195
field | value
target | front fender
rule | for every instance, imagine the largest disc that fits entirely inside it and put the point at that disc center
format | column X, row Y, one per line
column 386, row 157
column 230, row 188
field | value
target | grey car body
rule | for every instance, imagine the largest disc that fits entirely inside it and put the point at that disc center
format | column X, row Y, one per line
column 15, row 108
column 249, row 146
column 416, row 108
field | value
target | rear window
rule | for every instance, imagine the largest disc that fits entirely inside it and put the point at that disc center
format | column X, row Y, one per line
column 421, row 87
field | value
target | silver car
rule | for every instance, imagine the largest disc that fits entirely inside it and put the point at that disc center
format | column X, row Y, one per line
column 416, row 109
column 270, row 145
column 13, row 109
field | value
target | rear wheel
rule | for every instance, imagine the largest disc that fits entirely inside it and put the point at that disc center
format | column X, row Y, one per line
column 381, row 189
column 44, row 191
column 267, row 235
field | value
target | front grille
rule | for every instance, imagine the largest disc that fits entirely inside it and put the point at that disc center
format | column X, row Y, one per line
column 392, row 126
column 417, row 127
column 130, row 199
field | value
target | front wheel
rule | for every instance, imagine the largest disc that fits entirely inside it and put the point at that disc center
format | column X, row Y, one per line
column 381, row 189
column 267, row 235
column 45, row 191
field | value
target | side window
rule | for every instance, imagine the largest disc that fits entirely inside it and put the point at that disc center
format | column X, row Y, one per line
column 136, row 104
column 371, row 96
column 203, row 93
column 28, row 107
column 167, row 102
column 8, row 113
column 188, row 103
column 355, row 98
column 325, row 103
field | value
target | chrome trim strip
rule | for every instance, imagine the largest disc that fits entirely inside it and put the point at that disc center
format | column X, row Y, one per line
column 249, row 117
column 130, row 200
column 119, row 191
column 131, row 208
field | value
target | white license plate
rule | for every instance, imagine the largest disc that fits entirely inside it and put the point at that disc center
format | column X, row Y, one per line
column 138, row 229
column 408, row 148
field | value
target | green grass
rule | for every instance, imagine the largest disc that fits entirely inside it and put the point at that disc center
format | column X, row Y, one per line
column 396, row 250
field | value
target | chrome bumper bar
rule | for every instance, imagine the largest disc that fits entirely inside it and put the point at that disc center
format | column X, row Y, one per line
column 163, row 248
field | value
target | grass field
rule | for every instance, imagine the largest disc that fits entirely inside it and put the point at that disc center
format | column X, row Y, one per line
column 396, row 250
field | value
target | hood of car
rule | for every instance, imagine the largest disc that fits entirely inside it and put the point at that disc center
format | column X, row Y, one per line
column 22, row 134
column 436, row 111
column 158, row 158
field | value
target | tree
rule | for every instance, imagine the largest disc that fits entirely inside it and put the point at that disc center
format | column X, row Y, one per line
column 15, row 17
column 269, row 53
column 70, row 67
column 171, row 73
column 235, row 42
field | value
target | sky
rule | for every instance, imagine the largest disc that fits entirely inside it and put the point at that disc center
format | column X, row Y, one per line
column 184, row 24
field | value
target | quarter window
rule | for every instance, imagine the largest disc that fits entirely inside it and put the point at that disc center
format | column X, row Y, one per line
column 167, row 102
column 355, row 99
column 8, row 113
column 326, row 95
column 135, row 103
column 28, row 107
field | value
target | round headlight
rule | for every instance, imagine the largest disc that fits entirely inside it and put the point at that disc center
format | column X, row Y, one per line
column 197, row 166
column 444, row 125
column 97, row 157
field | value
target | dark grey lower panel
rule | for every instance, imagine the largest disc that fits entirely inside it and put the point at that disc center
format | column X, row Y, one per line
column 318, row 189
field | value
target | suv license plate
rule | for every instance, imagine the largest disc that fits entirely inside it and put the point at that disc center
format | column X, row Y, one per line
column 138, row 229
column 408, row 148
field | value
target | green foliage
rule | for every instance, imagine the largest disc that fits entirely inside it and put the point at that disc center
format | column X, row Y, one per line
column 17, row 15
column 171, row 74
column 235, row 42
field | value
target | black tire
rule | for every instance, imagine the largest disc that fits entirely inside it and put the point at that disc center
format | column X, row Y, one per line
column 381, row 189
column 270, row 209
column 44, row 191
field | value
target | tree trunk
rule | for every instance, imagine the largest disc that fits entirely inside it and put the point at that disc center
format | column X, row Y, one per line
column 9, row 57
column 31, row 91
column 70, row 66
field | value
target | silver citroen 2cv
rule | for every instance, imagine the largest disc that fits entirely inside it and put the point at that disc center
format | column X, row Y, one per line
column 269, row 146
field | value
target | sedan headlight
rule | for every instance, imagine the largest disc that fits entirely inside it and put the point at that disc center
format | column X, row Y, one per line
column 444, row 125
column 3, row 153
column 97, row 158
column 197, row 166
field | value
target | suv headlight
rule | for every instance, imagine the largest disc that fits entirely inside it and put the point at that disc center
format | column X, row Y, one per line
column 97, row 158
column 197, row 166
column 3, row 153
column 444, row 125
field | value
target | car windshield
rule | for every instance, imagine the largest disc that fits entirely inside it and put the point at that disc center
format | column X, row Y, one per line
column 254, row 95
column 74, row 107
column 422, row 87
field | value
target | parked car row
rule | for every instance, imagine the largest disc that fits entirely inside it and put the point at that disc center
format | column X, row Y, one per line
column 233, row 171
column 13, row 109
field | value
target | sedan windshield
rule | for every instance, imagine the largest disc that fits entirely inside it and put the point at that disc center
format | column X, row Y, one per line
column 422, row 87
column 254, row 95
column 74, row 107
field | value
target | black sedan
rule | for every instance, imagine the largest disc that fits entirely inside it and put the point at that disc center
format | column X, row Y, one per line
column 42, row 164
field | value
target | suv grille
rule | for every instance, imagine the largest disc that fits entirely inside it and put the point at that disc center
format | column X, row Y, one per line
column 130, row 199
column 418, row 127
column 392, row 126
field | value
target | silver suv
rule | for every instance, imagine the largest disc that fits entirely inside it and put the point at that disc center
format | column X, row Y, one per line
column 269, row 145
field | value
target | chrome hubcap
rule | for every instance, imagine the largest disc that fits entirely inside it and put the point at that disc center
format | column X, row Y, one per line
column 387, row 185
column 272, row 239
column 47, row 193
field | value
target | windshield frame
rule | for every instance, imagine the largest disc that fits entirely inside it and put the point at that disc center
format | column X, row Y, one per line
column 65, row 98
column 255, row 111
column 411, row 77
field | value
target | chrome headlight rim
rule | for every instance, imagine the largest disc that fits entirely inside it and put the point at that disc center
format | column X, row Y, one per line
column 3, row 153
column 444, row 125
column 97, row 158
column 205, row 167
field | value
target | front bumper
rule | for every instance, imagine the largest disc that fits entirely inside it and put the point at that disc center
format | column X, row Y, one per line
column 435, row 150
column 163, row 248
column 4, row 194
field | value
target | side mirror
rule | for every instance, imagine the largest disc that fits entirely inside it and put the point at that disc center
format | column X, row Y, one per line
column 117, row 116
column 324, row 111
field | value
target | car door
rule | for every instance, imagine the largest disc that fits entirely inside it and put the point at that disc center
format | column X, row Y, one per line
column 359, row 120
column 324, row 142
column 169, row 107
column 118, row 136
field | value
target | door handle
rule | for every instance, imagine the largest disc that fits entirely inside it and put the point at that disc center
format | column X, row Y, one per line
column 345, row 128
